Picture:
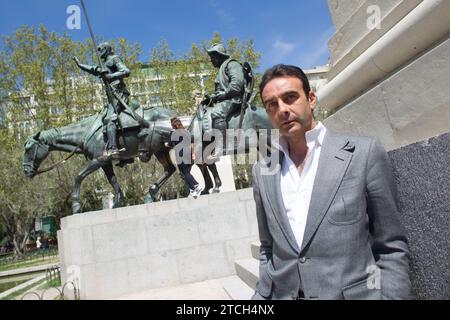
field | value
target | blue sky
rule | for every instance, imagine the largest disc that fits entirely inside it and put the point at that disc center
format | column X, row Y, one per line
column 285, row 31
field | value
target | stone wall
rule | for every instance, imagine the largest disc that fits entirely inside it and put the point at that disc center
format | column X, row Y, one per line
column 422, row 174
column 126, row 250
column 409, row 106
column 352, row 36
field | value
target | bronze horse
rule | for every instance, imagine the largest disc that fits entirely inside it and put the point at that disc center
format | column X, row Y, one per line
column 86, row 137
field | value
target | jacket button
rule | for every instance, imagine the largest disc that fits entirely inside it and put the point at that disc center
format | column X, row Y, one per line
column 302, row 259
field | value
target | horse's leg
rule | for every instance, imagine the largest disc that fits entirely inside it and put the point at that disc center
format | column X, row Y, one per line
column 217, row 181
column 206, row 177
column 110, row 175
column 91, row 167
column 169, row 169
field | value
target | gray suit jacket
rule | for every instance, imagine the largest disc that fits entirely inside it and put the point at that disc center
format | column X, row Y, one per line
column 353, row 247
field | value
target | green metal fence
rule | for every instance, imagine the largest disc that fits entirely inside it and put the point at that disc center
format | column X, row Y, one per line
column 33, row 255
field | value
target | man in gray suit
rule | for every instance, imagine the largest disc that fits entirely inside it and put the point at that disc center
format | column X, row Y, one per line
column 328, row 219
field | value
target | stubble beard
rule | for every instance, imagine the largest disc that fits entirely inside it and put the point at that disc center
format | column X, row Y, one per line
column 306, row 123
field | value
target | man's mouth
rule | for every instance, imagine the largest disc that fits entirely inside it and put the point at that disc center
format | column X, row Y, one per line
column 287, row 123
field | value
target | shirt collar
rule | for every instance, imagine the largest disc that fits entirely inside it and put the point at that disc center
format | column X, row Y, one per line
column 315, row 135
column 312, row 136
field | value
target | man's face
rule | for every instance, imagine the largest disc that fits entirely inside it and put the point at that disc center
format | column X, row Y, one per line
column 288, row 107
column 177, row 124
column 103, row 52
column 215, row 60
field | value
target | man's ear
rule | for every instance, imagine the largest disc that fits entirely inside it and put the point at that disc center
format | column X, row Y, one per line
column 312, row 100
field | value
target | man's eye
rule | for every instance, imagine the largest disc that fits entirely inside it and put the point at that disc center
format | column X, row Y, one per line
column 271, row 105
column 290, row 98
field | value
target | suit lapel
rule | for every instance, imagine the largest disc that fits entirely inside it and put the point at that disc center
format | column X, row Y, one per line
column 334, row 159
column 273, row 192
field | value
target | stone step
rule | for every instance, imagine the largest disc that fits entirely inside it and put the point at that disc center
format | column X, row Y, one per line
column 248, row 271
column 255, row 249
column 237, row 289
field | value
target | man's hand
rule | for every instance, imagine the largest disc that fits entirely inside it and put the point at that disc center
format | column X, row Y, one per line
column 218, row 96
column 206, row 101
column 192, row 152
column 99, row 71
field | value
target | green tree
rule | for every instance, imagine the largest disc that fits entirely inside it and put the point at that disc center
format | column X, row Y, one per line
column 19, row 200
column 177, row 77
column 41, row 88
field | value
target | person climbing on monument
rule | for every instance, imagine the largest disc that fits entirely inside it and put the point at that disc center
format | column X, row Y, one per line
column 114, row 71
column 229, row 91
column 184, row 163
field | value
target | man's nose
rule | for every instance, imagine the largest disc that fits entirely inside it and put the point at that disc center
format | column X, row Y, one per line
column 283, row 108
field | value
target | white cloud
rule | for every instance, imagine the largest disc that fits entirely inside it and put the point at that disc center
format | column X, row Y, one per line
column 283, row 48
column 318, row 50
column 305, row 51
column 315, row 57
column 278, row 51
column 226, row 18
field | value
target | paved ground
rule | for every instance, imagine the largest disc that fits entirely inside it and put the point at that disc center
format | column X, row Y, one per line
column 205, row 290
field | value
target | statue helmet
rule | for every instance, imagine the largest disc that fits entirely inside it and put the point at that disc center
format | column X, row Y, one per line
column 218, row 49
column 104, row 49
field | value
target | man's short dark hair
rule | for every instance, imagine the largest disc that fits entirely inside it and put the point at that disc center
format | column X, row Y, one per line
column 283, row 70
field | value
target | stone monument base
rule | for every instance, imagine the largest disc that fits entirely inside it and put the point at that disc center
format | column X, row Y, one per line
column 114, row 252
column 421, row 171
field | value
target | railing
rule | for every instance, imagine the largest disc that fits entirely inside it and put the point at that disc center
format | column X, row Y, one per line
column 37, row 255
column 53, row 273
column 68, row 291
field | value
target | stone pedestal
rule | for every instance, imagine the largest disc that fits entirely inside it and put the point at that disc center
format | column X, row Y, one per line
column 422, row 175
column 114, row 252
column 390, row 80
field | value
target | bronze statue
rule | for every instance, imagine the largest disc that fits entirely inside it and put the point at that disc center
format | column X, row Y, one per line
column 114, row 71
column 144, row 131
column 86, row 137
column 229, row 95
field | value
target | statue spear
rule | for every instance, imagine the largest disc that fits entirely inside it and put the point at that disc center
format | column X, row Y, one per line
column 109, row 92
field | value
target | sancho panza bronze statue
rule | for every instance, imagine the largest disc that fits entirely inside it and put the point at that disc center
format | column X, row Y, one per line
column 229, row 89
column 114, row 71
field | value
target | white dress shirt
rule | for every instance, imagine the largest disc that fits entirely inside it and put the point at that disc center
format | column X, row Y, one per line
column 296, row 187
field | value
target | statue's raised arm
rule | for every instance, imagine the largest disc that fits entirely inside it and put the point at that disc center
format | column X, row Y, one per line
column 114, row 71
